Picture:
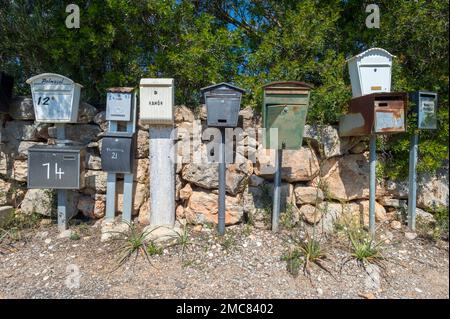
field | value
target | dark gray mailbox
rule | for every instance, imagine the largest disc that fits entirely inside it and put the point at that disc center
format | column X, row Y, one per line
column 55, row 166
column 119, row 104
column 6, row 88
column 223, row 102
column 117, row 152
column 424, row 105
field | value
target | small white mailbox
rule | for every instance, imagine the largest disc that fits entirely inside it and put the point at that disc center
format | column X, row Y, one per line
column 370, row 72
column 156, row 97
column 56, row 98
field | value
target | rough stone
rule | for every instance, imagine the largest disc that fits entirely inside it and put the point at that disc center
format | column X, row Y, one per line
column 186, row 192
column 310, row 214
column 92, row 207
column 347, row 178
column 325, row 139
column 21, row 131
column 38, row 201
column 359, row 148
column 395, row 224
column 183, row 114
column 82, row 133
column 144, row 215
column 255, row 181
column 308, row 195
column 93, row 159
column 86, row 113
column 298, row 165
column 162, row 234
column 140, row 195
column 21, row 108
column 432, row 190
column 142, row 144
column 95, row 182
column 100, row 120
column 113, row 229
column 141, row 166
column 202, row 208
column 393, row 202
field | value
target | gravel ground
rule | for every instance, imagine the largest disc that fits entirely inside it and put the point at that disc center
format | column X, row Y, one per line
column 245, row 265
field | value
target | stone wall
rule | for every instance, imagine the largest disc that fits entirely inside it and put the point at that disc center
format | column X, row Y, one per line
column 328, row 172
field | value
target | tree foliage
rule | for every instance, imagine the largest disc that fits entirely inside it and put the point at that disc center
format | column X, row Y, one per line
column 249, row 42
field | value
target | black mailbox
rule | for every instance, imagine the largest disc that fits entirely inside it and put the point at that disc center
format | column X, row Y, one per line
column 6, row 88
column 56, row 167
column 223, row 102
column 117, row 152
column 424, row 106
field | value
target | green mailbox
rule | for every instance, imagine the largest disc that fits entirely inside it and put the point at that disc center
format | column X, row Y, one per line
column 284, row 108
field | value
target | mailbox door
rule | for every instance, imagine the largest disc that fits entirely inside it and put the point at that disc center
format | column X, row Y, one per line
column 117, row 154
column 53, row 106
column 389, row 116
column 375, row 78
column 156, row 104
column 54, row 169
column 427, row 112
column 223, row 111
column 290, row 122
column 118, row 106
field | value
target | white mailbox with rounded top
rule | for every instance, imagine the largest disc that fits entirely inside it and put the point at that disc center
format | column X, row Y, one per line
column 156, row 97
column 370, row 72
column 56, row 98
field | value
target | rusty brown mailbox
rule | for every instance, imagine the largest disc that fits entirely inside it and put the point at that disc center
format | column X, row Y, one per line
column 377, row 113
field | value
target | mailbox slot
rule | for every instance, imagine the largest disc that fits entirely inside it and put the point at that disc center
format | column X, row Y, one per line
column 119, row 104
column 425, row 107
column 223, row 102
column 56, row 98
column 156, row 97
column 285, row 109
column 118, row 152
column 6, row 88
column 56, row 167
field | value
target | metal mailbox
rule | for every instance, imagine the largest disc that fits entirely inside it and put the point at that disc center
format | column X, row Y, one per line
column 223, row 102
column 370, row 72
column 285, row 108
column 56, row 98
column 117, row 152
column 424, row 105
column 56, row 167
column 6, row 88
column 377, row 113
column 119, row 104
column 156, row 101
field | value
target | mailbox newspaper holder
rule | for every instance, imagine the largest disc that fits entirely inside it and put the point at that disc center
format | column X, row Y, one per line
column 223, row 102
column 156, row 101
column 285, row 108
column 118, row 152
column 424, row 105
column 370, row 72
column 56, row 167
column 6, row 88
column 56, row 98
column 377, row 113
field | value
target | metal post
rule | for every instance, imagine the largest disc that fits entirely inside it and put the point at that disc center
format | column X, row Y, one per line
column 127, row 197
column 276, row 190
column 63, row 214
column 412, row 196
column 372, row 186
column 222, row 184
column 111, row 185
column 162, row 176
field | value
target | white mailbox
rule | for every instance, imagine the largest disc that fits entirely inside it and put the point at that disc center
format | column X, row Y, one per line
column 156, row 97
column 370, row 72
column 56, row 98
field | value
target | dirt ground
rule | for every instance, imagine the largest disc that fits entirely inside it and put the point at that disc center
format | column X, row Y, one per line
column 248, row 264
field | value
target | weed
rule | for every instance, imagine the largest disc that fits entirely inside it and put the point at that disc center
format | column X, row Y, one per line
column 228, row 241
column 294, row 261
column 74, row 236
column 153, row 249
column 288, row 219
column 12, row 227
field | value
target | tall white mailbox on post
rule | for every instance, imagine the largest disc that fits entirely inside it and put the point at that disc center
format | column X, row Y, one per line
column 56, row 98
column 156, row 101
column 370, row 72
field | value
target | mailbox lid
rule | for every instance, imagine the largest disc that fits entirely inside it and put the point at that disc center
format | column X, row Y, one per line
column 118, row 152
column 425, row 107
column 6, row 88
column 290, row 122
column 119, row 103
column 56, row 98
column 156, row 101
column 55, row 167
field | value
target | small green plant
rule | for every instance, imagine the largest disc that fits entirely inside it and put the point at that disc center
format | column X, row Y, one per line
column 364, row 248
column 13, row 226
column 294, row 261
column 153, row 249
column 74, row 236
column 287, row 219
column 266, row 203
column 228, row 241
column 132, row 242
column 247, row 230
